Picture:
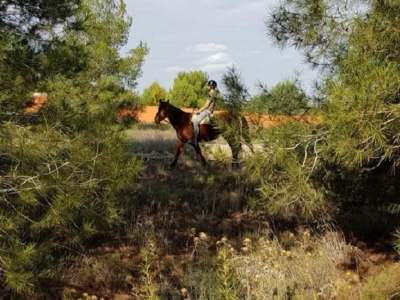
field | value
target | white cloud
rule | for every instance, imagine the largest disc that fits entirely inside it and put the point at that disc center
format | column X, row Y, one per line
column 217, row 62
column 216, row 58
column 174, row 69
column 216, row 67
column 209, row 47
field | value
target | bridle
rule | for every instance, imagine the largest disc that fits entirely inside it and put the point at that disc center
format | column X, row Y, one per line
column 165, row 118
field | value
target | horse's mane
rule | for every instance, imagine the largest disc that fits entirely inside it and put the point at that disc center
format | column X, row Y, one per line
column 176, row 114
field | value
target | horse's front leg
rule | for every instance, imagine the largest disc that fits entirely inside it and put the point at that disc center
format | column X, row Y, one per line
column 179, row 149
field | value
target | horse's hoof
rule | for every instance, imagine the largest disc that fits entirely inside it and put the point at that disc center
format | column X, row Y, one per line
column 170, row 168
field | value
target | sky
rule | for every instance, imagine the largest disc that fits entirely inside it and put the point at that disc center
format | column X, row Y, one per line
column 212, row 36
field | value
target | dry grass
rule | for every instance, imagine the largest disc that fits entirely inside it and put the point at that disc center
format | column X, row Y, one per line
column 262, row 268
column 149, row 138
column 159, row 142
column 306, row 270
column 255, row 267
column 188, row 236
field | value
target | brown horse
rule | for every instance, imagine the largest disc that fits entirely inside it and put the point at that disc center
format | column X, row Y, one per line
column 181, row 121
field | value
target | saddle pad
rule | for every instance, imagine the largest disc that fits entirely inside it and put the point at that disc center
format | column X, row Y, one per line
column 206, row 120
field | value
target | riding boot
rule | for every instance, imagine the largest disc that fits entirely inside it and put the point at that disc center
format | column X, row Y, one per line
column 196, row 135
column 194, row 141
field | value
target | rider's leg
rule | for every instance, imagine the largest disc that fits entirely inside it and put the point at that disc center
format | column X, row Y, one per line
column 196, row 124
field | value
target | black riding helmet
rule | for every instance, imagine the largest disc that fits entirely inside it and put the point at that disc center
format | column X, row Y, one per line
column 212, row 83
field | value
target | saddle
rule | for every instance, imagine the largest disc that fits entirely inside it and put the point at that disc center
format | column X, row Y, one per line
column 206, row 120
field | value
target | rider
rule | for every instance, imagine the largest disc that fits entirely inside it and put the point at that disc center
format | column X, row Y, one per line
column 206, row 110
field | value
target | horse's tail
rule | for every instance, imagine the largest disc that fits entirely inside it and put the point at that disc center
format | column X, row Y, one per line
column 216, row 126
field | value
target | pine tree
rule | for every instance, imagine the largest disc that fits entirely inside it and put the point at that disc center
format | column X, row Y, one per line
column 65, row 170
column 153, row 94
column 285, row 98
column 189, row 89
column 355, row 46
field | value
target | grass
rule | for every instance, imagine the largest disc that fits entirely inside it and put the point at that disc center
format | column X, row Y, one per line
column 159, row 142
column 190, row 235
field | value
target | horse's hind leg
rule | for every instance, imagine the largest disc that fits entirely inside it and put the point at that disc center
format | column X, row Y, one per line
column 246, row 140
column 200, row 154
column 235, row 154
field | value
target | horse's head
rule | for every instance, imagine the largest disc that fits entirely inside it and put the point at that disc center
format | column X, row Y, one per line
column 162, row 112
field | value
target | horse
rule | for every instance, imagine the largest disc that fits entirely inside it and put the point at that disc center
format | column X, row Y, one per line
column 181, row 121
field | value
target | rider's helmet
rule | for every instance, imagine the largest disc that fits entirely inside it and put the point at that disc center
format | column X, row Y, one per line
column 212, row 83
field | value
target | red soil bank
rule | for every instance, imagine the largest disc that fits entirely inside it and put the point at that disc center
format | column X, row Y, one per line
column 148, row 113
column 36, row 102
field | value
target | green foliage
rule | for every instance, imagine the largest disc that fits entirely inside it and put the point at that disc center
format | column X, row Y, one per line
column 320, row 29
column 189, row 89
column 25, row 44
column 361, row 113
column 65, row 170
column 56, row 194
column 234, row 127
column 84, row 55
column 285, row 98
column 37, row 22
column 228, row 282
column 358, row 150
column 236, row 95
column 364, row 98
column 290, row 173
column 130, row 66
column 153, row 94
column 382, row 286
column 149, row 287
column 106, row 31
